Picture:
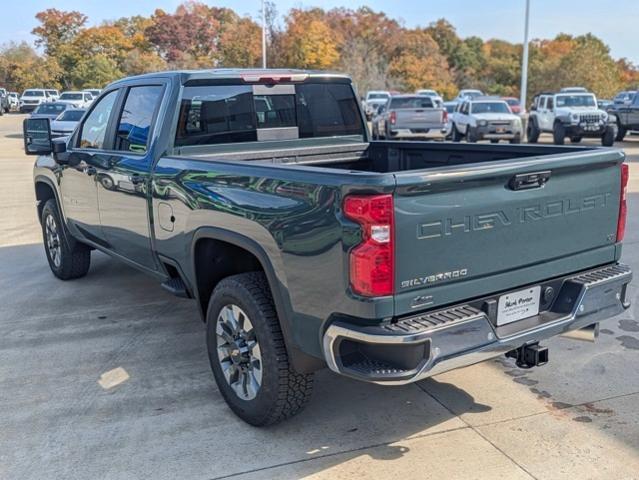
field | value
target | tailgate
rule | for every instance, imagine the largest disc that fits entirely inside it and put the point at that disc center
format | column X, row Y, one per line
column 419, row 118
column 463, row 232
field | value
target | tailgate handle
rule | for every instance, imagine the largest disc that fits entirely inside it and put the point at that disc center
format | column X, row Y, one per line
column 525, row 181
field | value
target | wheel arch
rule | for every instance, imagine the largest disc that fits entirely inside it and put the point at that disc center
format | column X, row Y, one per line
column 219, row 245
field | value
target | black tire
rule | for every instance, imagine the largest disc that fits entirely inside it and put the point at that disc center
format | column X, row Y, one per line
column 515, row 140
column 532, row 132
column 471, row 136
column 494, row 140
column 68, row 258
column 621, row 133
column 608, row 138
column 282, row 392
column 456, row 135
column 575, row 139
column 558, row 133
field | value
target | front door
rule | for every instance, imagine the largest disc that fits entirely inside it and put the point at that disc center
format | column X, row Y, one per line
column 77, row 178
column 633, row 113
column 123, row 182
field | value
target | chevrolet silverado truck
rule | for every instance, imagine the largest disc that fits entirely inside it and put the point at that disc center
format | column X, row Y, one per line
column 259, row 195
column 572, row 113
column 410, row 117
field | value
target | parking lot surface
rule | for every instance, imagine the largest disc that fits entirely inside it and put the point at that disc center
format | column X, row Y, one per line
column 107, row 377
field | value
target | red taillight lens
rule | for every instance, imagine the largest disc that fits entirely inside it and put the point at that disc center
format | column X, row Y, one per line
column 445, row 117
column 372, row 262
column 393, row 118
column 623, row 207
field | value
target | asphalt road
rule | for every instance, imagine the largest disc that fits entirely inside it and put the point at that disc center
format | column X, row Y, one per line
column 107, row 377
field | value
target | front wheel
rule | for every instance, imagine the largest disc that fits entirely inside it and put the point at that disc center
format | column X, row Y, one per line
column 621, row 133
column 608, row 138
column 575, row 139
column 471, row 136
column 456, row 135
column 68, row 258
column 532, row 132
column 248, row 355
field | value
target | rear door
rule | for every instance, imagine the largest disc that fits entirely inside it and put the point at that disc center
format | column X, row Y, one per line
column 466, row 231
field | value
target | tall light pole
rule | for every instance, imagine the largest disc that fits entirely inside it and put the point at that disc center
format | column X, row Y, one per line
column 524, row 61
column 263, row 34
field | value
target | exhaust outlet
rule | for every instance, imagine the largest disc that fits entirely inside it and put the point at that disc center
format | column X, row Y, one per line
column 586, row 334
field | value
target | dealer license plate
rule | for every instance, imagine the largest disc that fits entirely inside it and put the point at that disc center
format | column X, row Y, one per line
column 500, row 129
column 518, row 305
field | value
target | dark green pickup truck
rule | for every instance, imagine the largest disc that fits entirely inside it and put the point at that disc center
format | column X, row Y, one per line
column 305, row 245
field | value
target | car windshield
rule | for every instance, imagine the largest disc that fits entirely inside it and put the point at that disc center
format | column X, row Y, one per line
column 472, row 93
column 378, row 96
column 575, row 101
column 410, row 102
column 490, row 107
column 71, row 96
column 51, row 108
column 71, row 116
column 33, row 93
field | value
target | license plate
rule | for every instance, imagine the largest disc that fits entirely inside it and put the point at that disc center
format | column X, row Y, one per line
column 518, row 305
column 500, row 130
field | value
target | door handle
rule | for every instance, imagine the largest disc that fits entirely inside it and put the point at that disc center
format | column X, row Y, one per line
column 526, row 181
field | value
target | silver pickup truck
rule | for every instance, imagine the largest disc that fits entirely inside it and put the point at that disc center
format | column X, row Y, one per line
column 410, row 117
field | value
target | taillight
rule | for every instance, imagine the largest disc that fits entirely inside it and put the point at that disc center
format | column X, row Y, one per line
column 372, row 262
column 393, row 118
column 445, row 117
column 623, row 207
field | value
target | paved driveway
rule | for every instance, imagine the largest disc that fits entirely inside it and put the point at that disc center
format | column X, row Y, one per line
column 157, row 413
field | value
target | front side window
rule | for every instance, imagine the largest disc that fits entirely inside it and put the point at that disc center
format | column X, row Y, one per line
column 94, row 127
column 217, row 114
column 135, row 121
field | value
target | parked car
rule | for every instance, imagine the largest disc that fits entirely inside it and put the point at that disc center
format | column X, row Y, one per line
column 484, row 118
column 4, row 101
column 50, row 110
column 431, row 93
column 450, row 110
column 53, row 94
column 411, row 117
column 515, row 105
column 626, row 97
column 625, row 116
column 573, row 90
column 77, row 99
column 468, row 93
column 604, row 104
column 95, row 92
column 308, row 247
column 65, row 123
column 572, row 115
column 374, row 99
column 31, row 98
column 14, row 101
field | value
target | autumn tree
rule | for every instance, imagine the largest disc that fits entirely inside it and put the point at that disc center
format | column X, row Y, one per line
column 21, row 67
column 57, row 28
column 308, row 41
column 420, row 64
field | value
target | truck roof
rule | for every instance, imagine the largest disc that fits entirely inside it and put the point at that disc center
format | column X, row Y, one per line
column 236, row 74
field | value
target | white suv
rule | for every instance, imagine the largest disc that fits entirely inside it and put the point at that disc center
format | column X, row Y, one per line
column 486, row 119
column 32, row 98
column 77, row 99
column 569, row 114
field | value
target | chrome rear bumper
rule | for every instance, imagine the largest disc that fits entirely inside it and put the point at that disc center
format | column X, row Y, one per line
column 418, row 347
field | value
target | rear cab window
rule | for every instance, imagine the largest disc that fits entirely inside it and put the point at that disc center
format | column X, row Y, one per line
column 136, row 118
column 238, row 113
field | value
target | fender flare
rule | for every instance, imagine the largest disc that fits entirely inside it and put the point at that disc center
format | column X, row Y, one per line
column 70, row 239
column 301, row 361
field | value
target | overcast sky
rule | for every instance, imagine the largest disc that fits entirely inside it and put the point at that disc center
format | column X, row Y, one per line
column 615, row 22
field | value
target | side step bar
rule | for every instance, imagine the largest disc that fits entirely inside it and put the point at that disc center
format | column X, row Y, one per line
column 177, row 287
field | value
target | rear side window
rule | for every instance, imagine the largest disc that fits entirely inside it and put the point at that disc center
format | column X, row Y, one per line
column 136, row 119
column 217, row 114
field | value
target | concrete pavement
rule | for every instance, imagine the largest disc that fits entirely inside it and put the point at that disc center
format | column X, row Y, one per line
column 107, row 377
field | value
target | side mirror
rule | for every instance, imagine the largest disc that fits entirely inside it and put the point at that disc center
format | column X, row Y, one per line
column 37, row 136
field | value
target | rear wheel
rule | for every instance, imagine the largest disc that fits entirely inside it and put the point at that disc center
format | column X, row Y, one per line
column 68, row 258
column 559, row 133
column 248, row 355
column 456, row 135
column 532, row 132
column 608, row 138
